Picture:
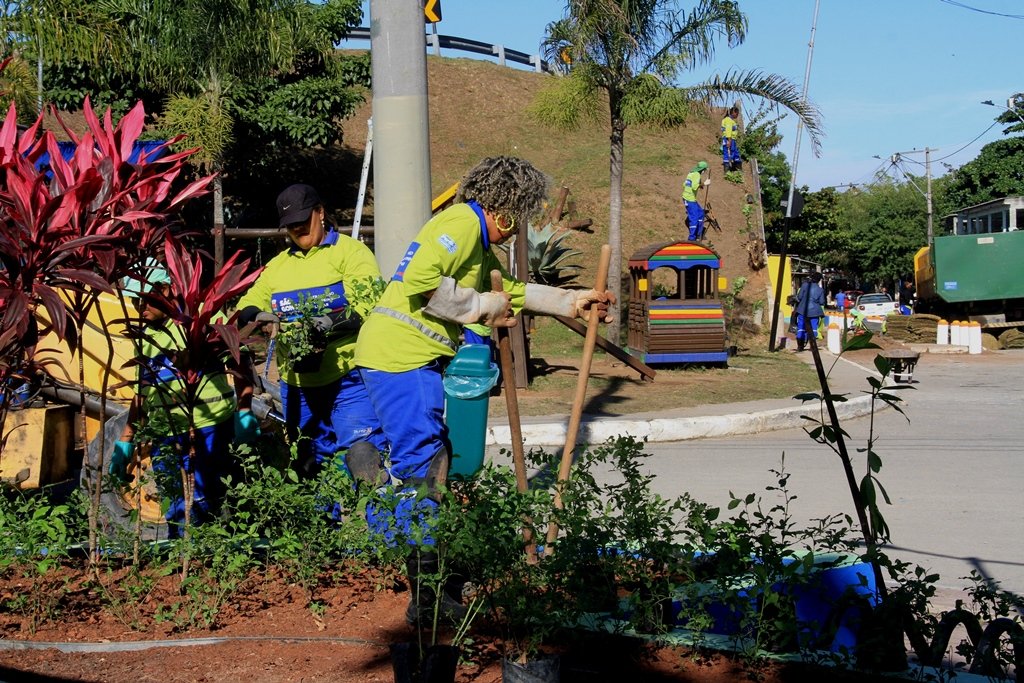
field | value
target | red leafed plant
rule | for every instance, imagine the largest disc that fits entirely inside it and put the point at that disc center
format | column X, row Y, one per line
column 84, row 225
column 206, row 341
column 70, row 230
column 196, row 307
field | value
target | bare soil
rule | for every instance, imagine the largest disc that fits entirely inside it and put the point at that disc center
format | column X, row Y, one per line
column 266, row 632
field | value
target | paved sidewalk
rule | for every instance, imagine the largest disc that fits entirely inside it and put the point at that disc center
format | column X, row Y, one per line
column 750, row 417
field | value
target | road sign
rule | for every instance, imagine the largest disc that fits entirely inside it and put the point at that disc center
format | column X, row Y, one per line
column 432, row 11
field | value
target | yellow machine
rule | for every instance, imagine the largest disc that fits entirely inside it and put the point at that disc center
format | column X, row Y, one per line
column 48, row 441
column 42, row 439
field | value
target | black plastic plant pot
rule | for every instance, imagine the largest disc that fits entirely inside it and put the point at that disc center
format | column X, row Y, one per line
column 436, row 665
column 309, row 362
column 539, row 669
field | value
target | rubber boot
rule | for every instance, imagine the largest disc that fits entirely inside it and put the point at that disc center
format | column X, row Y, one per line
column 726, row 167
column 422, row 569
column 364, row 464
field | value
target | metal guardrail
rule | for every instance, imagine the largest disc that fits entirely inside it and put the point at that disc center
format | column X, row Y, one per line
column 437, row 41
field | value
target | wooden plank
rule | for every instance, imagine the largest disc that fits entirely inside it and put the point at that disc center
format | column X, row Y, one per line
column 684, row 348
column 677, row 334
column 660, row 338
column 711, row 342
column 520, row 353
column 617, row 351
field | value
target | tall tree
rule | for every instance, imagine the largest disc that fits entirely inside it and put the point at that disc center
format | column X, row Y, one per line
column 41, row 32
column 819, row 236
column 200, row 50
column 633, row 51
column 230, row 74
column 886, row 224
column 998, row 170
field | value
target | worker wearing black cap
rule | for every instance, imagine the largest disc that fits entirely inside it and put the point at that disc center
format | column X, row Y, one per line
column 327, row 283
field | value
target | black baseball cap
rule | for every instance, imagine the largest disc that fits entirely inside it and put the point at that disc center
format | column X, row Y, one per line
column 296, row 203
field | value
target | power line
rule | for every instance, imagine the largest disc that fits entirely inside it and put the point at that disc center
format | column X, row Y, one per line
column 982, row 11
column 951, row 154
column 969, row 143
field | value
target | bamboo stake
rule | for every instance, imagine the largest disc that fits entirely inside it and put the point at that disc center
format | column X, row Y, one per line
column 581, row 394
column 515, row 426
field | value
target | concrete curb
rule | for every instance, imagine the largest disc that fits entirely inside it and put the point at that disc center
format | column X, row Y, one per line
column 599, row 430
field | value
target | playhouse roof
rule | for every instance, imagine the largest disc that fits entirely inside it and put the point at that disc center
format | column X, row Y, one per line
column 680, row 255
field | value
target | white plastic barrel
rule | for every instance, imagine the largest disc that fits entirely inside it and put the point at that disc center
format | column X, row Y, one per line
column 974, row 337
column 834, row 341
column 942, row 333
column 954, row 333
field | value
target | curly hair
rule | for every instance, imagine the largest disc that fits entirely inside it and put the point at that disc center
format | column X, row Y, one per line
column 505, row 185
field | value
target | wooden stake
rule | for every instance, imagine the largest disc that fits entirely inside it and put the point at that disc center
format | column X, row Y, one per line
column 581, row 395
column 515, row 427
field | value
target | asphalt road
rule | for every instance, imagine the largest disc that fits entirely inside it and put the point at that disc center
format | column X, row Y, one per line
column 953, row 467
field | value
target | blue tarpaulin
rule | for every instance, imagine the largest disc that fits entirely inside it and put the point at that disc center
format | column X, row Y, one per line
column 67, row 150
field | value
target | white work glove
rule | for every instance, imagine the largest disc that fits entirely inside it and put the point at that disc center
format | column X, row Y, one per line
column 707, row 182
column 589, row 300
column 571, row 303
column 496, row 310
column 464, row 305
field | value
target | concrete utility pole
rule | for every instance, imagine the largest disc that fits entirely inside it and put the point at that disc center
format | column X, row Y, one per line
column 773, row 336
column 928, row 192
column 401, row 145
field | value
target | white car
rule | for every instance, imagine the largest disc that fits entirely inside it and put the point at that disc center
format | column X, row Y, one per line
column 876, row 303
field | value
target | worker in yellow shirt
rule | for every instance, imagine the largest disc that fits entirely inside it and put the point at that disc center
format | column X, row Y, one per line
column 694, row 211
column 730, row 135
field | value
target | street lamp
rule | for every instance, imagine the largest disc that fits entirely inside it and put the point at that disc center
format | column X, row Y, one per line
column 1009, row 106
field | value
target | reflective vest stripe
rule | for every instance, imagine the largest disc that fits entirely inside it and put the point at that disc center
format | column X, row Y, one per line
column 431, row 334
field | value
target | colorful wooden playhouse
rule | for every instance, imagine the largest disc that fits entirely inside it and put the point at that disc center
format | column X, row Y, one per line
column 686, row 325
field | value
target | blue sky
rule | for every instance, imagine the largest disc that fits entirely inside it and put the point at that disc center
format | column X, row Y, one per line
column 888, row 75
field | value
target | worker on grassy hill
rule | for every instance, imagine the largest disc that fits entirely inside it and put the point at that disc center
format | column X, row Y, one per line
column 162, row 404
column 441, row 284
column 810, row 307
column 730, row 139
column 319, row 290
column 694, row 211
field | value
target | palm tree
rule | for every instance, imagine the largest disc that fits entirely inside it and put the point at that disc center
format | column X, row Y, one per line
column 17, row 85
column 55, row 31
column 632, row 51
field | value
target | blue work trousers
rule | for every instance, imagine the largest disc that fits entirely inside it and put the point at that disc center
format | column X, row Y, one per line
column 730, row 152
column 695, row 215
column 800, row 332
column 410, row 407
column 210, row 466
column 333, row 417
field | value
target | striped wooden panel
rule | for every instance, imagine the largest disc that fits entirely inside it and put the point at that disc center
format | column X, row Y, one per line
column 681, row 313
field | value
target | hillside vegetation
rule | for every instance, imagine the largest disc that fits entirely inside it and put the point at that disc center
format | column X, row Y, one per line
column 479, row 109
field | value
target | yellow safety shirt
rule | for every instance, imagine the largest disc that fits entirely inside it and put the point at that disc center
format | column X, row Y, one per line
column 399, row 336
column 340, row 260
column 730, row 129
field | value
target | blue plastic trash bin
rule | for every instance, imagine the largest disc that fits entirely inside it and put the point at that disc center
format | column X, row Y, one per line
column 467, row 386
